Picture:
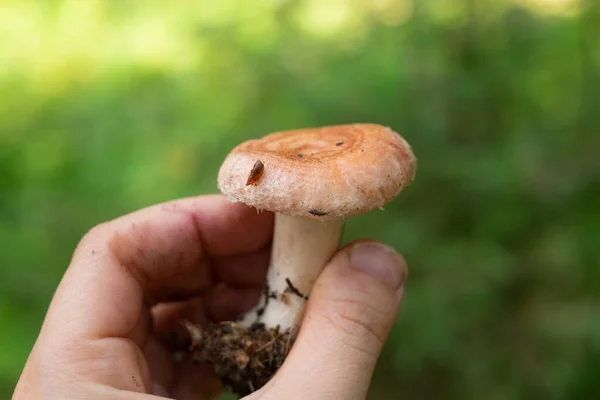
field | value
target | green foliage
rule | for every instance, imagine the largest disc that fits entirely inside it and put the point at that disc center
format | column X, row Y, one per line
column 111, row 106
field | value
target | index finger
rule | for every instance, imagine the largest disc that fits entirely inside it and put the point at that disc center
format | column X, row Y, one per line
column 221, row 227
column 156, row 254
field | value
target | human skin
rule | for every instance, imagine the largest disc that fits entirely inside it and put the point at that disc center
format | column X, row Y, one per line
column 131, row 281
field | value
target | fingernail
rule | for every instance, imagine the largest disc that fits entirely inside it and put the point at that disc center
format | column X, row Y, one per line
column 379, row 261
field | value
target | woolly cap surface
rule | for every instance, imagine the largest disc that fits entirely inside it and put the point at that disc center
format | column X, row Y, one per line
column 321, row 173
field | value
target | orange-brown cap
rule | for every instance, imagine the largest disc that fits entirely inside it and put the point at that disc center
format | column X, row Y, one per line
column 326, row 173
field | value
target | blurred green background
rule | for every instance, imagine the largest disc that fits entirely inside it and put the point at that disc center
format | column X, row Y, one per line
column 108, row 106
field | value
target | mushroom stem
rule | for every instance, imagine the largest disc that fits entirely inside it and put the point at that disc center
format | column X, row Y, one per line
column 301, row 249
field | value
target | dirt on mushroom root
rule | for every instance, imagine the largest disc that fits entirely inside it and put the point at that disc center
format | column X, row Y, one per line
column 244, row 358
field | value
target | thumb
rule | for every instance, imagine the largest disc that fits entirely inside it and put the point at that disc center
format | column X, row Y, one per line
column 351, row 311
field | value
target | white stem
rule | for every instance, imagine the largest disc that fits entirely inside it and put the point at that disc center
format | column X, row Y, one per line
column 301, row 249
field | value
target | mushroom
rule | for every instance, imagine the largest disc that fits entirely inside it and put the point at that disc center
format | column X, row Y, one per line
column 313, row 179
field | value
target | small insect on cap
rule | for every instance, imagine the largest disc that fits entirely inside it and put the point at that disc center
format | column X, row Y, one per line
column 321, row 173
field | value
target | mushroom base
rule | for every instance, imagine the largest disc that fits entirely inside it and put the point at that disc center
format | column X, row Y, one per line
column 244, row 358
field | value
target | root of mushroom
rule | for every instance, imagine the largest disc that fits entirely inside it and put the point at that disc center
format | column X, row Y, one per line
column 245, row 354
column 244, row 358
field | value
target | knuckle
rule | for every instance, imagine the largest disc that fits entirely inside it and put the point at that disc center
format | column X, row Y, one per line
column 95, row 238
column 362, row 323
column 96, row 231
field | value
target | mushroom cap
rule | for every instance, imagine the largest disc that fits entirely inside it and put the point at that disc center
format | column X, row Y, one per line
column 321, row 173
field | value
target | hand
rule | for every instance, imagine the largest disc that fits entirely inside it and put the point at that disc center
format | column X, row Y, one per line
column 133, row 280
